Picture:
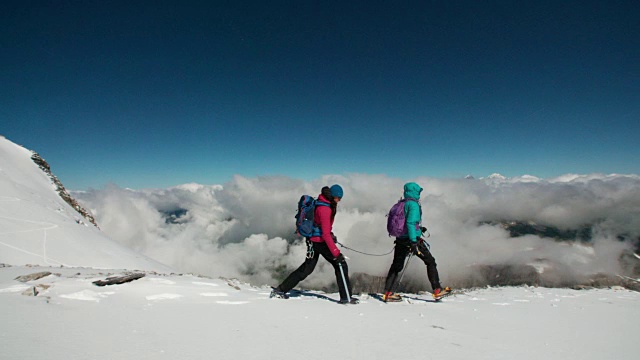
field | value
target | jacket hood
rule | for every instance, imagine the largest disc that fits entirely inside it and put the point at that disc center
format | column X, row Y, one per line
column 412, row 190
column 323, row 199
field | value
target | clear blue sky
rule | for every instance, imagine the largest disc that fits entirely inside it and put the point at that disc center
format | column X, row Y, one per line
column 159, row 93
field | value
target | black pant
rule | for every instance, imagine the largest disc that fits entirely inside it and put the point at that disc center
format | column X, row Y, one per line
column 402, row 249
column 314, row 250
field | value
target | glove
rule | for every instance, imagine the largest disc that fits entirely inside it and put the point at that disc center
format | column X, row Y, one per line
column 340, row 258
column 414, row 248
column 423, row 244
column 424, row 229
column 335, row 238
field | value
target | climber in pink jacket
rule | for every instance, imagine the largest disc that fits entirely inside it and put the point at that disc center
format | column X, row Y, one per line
column 322, row 242
column 323, row 218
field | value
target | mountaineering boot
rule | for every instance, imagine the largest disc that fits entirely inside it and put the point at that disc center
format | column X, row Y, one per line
column 440, row 293
column 277, row 293
column 353, row 301
column 391, row 297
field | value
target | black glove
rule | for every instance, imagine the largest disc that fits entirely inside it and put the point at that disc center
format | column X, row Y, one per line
column 340, row 258
column 423, row 229
column 335, row 239
column 423, row 244
column 414, row 248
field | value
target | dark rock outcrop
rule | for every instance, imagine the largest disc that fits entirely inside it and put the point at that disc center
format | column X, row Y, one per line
column 60, row 189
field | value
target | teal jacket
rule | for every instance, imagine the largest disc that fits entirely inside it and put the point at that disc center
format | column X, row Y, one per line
column 413, row 211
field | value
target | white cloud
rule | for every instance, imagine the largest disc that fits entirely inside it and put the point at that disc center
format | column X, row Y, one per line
column 242, row 229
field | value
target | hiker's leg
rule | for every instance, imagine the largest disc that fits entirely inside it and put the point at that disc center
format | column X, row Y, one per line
column 399, row 256
column 323, row 249
column 302, row 271
column 432, row 267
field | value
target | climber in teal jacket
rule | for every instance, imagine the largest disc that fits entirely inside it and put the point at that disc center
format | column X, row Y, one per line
column 412, row 212
column 411, row 243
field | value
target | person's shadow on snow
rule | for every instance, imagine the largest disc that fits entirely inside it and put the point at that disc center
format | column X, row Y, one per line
column 303, row 293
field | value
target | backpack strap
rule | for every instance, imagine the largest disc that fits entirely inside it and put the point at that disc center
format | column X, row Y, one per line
column 316, row 229
column 419, row 206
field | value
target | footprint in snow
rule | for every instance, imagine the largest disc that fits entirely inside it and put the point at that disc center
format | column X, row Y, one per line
column 163, row 297
column 162, row 281
column 7, row 198
column 15, row 288
column 87, row 295
column 226, row 302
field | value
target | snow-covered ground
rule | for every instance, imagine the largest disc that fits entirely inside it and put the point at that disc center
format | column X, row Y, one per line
column 162, row 315
column 190, row 317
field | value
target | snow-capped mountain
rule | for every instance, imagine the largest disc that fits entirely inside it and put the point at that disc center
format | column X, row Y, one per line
column 39, row 226
column 496, row 176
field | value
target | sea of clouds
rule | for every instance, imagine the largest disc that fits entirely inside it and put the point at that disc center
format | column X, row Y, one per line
column 245, row 228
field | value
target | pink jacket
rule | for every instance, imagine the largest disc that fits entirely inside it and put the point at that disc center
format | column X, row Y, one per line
column 323, row 218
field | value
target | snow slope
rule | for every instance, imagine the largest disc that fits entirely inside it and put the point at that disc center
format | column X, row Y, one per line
column 38, row 227
column 190, row 317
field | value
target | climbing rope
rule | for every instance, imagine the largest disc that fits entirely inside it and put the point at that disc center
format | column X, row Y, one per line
column 364, row 253
column 424, row 229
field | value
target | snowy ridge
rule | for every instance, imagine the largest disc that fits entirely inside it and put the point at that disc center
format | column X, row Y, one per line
column 38, row 227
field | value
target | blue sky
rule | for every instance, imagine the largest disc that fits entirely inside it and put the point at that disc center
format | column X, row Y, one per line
column 159, row 93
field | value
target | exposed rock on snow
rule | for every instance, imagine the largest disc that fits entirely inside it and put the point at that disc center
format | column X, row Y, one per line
column 60, row 189
column 33, row 277
column 115, row 280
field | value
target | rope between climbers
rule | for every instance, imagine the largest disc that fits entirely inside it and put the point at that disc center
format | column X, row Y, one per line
column 364, row 253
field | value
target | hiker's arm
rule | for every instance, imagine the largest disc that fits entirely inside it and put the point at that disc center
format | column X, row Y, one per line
column 324, row 213
column 413, row 220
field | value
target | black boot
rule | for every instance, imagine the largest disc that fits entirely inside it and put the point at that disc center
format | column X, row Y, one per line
column 353, row 301
column 277, row 293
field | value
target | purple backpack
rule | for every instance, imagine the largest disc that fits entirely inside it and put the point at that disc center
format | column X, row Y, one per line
column 396, row 222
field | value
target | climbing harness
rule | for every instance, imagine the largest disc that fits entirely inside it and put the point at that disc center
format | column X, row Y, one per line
column 310, row 251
